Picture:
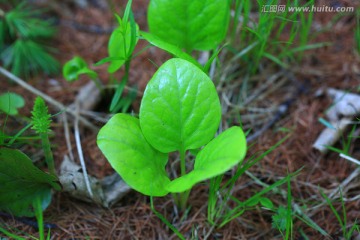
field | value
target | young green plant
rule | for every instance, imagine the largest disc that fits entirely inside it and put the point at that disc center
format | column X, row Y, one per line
column 41, row 124
column 77, row 66
column 180, row 111
column 25, row 189
column 121, row 45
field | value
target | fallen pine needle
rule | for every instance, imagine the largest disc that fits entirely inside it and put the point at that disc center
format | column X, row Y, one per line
column 350, row 158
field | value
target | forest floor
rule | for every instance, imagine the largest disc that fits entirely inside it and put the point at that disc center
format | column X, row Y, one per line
column 336, row 65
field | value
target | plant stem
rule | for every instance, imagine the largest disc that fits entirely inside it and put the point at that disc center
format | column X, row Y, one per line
column 182, row 162
column 48, row 153
column 184, row 195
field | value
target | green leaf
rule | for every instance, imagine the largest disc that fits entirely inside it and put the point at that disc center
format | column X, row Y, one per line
column 177, row 52
column 180, row 108
column 117, row 95
column 127, row 13
column 141, row 166
column 265, row 202
column 76, row 67
column 252, row 202
column 279, row 219
column 10, row 102
column 189, row 24
column 21, row 183
column 217, row 157
column 121, row 45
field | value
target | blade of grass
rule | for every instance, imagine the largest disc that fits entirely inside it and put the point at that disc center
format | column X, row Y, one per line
column 164, row 220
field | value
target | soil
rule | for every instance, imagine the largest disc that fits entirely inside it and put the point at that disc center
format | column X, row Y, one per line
column 336, row 65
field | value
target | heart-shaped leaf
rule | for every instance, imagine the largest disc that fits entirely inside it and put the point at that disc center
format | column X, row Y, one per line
column 220, row 155
column 189, row 24
column 10, row 102
column 140, row 165
column 22, row 183
column 180, row 108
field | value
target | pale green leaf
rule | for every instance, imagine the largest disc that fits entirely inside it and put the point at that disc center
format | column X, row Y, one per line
column 10, row 102
column 120, row 46
column 266, row 202
column 217, row 157
column 180, row 108
column 141, row 166
column 189, row 24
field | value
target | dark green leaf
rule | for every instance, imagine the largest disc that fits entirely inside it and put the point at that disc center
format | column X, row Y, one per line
column 21, row 183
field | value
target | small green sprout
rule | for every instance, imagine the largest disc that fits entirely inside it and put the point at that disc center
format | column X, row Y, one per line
column 76, row 67
column 41, row 124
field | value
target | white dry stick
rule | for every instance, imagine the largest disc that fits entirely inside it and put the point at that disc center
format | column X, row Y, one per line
column 46, row 97
column 80, row 152
column 346, row 106
column 330, row 136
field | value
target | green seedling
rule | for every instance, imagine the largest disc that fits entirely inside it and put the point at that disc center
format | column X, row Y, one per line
column 180, row 111
column 10, row 103
column 179, row 23
column 76, row 67
column 41, row 124
column 123, row 40
column 121, row 46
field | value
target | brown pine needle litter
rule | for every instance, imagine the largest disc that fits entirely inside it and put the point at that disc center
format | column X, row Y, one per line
column 278, row 103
